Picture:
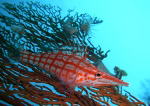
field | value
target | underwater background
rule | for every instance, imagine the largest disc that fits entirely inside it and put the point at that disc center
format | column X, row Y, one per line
column 125, row 31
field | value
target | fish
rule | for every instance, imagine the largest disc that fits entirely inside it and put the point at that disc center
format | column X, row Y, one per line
column 71, row 69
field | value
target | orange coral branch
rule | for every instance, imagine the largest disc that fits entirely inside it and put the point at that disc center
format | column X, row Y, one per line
column 116, row 98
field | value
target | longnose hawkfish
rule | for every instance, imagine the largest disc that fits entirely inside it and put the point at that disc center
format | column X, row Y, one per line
column 71, row 69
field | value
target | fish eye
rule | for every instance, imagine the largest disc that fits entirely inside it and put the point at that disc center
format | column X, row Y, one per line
column 98, row 75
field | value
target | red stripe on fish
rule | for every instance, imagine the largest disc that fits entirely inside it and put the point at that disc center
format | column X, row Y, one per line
column 71, row 69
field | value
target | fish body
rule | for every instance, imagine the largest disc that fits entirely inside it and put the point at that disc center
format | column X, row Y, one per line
column 71, row 69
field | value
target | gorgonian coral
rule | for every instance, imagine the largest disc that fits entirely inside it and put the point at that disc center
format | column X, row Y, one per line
column 41, row 28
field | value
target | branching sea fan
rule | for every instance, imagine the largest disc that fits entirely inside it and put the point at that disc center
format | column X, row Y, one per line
column 42, row 62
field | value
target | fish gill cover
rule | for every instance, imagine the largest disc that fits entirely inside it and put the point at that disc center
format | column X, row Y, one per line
column 42, row 28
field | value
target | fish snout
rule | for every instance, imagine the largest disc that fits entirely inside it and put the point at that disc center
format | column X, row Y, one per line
column 115, row 81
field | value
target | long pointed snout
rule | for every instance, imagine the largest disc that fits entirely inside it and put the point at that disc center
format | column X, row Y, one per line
column 108, row 80
column 114, row 81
